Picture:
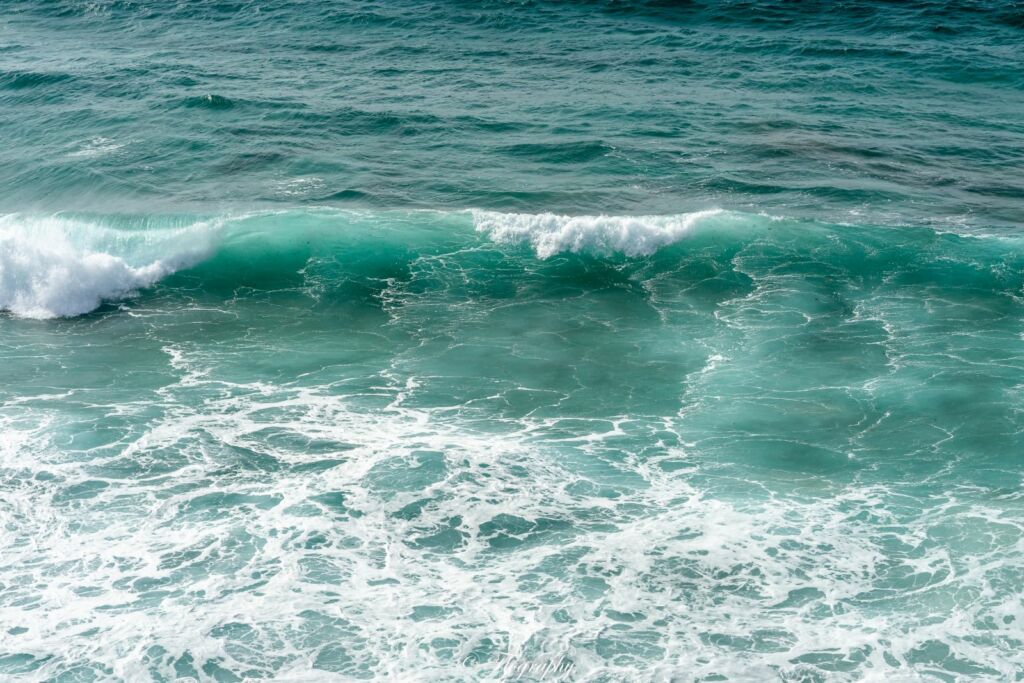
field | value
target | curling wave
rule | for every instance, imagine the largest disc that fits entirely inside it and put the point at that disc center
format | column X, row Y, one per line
column 56, row 266
column 59, row 266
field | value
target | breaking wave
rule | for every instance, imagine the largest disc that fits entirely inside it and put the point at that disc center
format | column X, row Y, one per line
column 63, row 266
column 55, row 267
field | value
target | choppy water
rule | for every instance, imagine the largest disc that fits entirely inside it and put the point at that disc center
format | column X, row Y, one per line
column 473, row 341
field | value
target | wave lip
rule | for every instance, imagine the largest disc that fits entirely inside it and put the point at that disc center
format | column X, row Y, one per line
column 57, row 267
column 551, row 234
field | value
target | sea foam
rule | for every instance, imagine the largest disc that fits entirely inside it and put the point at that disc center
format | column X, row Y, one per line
column 56, row 267
column 551, row 234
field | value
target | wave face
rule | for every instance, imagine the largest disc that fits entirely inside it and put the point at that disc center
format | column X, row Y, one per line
column 477, row 444
column 60, row 267
column 70, row 265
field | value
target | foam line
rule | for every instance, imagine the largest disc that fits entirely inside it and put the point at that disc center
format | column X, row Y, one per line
column 551, row 234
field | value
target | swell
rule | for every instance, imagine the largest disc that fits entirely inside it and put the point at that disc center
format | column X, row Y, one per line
column 63, row 266
column 21, row 80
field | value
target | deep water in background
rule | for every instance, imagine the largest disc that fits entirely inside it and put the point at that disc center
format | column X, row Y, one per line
column 476, row 341
column 864, row 111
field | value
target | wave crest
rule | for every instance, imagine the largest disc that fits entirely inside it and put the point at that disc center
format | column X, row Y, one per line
column 67, row 265
column 56, row 267
column 551, row 234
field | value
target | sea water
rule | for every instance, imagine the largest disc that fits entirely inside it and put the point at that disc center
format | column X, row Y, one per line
column 603, row 341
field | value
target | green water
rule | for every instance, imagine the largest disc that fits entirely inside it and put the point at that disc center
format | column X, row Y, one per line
column 512, row 341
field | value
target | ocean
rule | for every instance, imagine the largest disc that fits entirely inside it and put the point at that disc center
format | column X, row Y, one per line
column 511, row 340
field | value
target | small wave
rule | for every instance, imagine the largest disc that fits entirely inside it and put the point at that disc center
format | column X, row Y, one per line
column 559, row 153
column 550, row 233
column 19, row 80
column 214, row 102
column 55, row 267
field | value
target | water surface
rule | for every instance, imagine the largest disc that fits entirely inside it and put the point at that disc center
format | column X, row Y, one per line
column 452, row 341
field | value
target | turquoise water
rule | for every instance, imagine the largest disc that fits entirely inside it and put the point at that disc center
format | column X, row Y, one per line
column 596, row 341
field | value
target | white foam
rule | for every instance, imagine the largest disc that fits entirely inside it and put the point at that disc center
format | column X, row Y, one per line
column 299, row 187
column 133, row 578
column 96, row 147
column 53, row 266
column 551, row 234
